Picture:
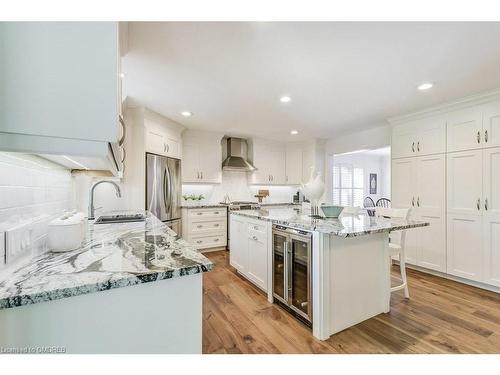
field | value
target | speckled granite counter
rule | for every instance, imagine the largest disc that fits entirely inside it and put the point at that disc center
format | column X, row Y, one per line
column 346, row 226
column 207, row 205
column 112, row 256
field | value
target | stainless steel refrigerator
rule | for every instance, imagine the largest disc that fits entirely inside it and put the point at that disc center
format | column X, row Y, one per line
column 163, row 190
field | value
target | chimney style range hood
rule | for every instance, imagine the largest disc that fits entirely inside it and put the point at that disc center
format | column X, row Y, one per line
column 235, row 160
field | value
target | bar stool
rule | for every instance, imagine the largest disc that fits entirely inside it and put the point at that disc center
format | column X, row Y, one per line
column 397, row 249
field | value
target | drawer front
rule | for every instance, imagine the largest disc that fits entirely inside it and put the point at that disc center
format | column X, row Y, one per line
column 206, row 242
column 207, row 227
column 257, row 225
column 257, row 235
column 212, row 213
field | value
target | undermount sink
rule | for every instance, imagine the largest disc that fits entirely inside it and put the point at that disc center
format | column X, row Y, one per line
column 113, row 219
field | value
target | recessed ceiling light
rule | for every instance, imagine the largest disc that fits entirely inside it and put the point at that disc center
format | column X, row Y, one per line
column 186, row 113
column 122, row 75
column 294, row 132
column 425, row 86
column 285, row 99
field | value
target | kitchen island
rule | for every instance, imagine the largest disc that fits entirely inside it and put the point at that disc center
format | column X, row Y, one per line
column 131, row 288
column 349, row 262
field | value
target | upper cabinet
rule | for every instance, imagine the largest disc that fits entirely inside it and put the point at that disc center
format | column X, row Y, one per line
column 60, row 89
column 474, row 128
column 202, row 157
column 163, row 138
column 417, row 138
column 269, row 158
column 293, row 164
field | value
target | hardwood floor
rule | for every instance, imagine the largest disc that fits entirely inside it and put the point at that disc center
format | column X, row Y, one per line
column 442, row 316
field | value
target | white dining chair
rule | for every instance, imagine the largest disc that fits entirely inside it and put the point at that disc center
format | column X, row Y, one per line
column 397, row 249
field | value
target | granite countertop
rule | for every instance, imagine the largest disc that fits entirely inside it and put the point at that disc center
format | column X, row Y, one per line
column 112, row 256
column 345, row 226
column 206, row 205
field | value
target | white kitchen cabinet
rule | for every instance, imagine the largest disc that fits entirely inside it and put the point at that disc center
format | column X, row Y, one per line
column 491, row 215
column 293, row 164
column 418, row 183
column 465, row 182
column 202, row 159
column 417, row 138
column 162, row 140
column 464, row 129
column 269, row 158
column 238, row 255
column 205, row 228
column 249, row 249
column 491, row 124
column 257, row 257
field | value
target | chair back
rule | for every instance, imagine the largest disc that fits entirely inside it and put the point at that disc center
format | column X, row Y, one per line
column 368, row 202
column 384, row 202
column 395, row 213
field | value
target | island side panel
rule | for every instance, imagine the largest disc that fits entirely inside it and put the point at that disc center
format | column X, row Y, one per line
column 359, row 285
column 321, row 285
column 158, row 317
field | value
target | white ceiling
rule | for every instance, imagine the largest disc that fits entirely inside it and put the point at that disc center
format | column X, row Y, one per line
column 341, row 77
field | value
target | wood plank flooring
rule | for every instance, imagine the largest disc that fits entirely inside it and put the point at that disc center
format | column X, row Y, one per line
column 442, row 316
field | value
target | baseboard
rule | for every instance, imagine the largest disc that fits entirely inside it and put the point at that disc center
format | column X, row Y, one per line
column 447, row 276
column 211, row 249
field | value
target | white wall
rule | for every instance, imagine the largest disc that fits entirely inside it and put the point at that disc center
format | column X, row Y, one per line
column 235, row 184
column 32, row 188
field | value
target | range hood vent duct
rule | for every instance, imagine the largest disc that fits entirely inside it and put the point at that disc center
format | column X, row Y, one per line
column 235, row 160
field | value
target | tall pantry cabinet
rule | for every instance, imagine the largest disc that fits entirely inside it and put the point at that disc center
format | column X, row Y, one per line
column 456, row 187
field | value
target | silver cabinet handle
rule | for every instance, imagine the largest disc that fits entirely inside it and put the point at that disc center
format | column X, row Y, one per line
column 216, row 239
column 199, row 213
column 256, row 227
column 254, row 238
column 199, row 226
column 418, row 146
column 478, row 136
column 164, row 147
column 216, row 225
column 486, row 204
column 201, row 173
column 478, row 204
column 216, row 212
column 122, row 123
column 413, row 146
column 199, row 241
column 413, row 201
column 168, row 147
column 486, row 136
column 418, row 202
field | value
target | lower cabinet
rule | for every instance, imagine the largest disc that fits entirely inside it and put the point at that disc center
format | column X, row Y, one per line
column 205, row 228
column 249, row 249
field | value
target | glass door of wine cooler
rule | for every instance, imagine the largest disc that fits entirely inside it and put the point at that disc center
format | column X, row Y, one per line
column 279, row 266
column 300, row 276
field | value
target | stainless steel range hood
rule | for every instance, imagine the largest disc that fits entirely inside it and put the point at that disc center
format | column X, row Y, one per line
column 236, row 160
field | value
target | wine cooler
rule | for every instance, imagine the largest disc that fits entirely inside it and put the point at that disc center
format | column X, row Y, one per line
column 292, row 270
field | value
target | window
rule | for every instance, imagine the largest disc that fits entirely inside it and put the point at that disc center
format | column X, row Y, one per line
column 348, row 185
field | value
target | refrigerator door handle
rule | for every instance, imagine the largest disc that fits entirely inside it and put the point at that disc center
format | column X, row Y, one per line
column 168, row 192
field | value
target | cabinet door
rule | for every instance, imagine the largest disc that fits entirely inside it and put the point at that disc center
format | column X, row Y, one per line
column 238, row 255
column 404, row 139
column 59, row 79
column 260, row 159
column 190, row 162
column 210, row 161
column 491, row 124
column 173, row 146
column 464, row 129
column 430, row 202
column 465, row 182
column 465, row 246
column 155, row 142
column 293, row 165
column 277, row 163
column 257, row 259
column 403, row 190
column 491, row 217
column 431, row 136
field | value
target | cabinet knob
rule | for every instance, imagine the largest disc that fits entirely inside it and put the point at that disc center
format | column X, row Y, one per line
column 486, row 204
column 478, row 136
column 413, row 201
column 413, row 146
column 254, row 238
column 478, row 205
column 199, row 241
column 418, row 146
column 486, row 136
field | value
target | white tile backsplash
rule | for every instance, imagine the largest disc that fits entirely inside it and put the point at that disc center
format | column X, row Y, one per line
column 235, row 184
column 32, row 188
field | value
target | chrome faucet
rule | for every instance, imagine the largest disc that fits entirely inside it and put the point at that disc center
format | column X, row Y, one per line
column 91, row 196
